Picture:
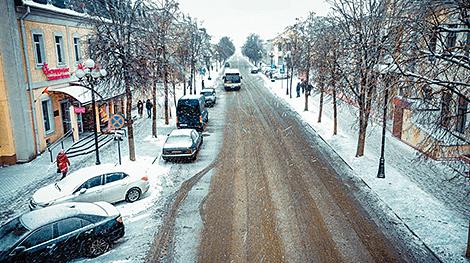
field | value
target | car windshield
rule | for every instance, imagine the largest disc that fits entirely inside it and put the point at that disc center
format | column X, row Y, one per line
column 11, row 233
column 233, row 78
column 207, row 93
column 183, row 140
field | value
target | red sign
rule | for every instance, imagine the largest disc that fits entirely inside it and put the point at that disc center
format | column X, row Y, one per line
column 78, row 110
column 55, row 73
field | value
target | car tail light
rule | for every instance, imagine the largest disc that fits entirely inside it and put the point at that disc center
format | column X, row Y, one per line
column 189, row 151
column 145, row 178
column 200, row 119
column 176, row 120
column 119, row 219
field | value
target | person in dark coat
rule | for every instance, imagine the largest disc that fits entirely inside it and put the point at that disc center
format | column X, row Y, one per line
column 202, row 84
column 298, row 89
column 149, row 106
column 63, row 163
column 140, row 108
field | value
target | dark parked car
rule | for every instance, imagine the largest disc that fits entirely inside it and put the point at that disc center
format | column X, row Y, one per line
column 191, row 112
column 182, row 144
column 209, row 96
column 227, row 65
column 61, row 232
column 254, row 71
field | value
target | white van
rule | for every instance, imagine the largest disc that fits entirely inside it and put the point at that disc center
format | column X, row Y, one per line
column 232, row 79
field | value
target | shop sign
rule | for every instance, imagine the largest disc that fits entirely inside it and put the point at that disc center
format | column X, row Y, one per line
column 55, row 73
column 79, row 110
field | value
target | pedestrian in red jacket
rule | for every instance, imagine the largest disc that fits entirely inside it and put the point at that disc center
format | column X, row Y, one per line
column 63, row 163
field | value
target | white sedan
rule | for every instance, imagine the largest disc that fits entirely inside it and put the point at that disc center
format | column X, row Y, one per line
column 93, row 184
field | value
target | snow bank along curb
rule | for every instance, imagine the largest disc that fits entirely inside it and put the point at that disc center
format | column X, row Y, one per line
column 442, row 230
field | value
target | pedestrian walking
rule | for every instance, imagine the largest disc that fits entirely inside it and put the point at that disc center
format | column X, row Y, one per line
column 140, row 108
column 309, row 89
column 202, row 84
column 63, row 163
column 302, row 85
column 149, row 106
column 298, row 89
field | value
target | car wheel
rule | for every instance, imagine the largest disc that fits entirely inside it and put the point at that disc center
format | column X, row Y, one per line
column 96, row 247
column 133, row 195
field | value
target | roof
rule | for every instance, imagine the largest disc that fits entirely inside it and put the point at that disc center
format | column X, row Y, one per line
column 181, row 132
column 208, row 90
column 232, row 71
column 40, row 217
column 191, row 97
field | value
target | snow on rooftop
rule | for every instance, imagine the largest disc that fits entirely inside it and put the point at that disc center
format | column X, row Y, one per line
column 53, row 8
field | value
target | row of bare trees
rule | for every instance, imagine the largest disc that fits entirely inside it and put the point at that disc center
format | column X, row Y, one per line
column 417, row 51
column 147, row 46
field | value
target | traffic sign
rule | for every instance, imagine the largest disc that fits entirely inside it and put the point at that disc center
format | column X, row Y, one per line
column 117, row 121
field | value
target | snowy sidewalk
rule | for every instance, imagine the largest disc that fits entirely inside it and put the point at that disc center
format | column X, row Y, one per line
column 441, row 227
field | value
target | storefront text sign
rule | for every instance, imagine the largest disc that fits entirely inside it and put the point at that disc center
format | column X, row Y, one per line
column 79, row 110
column 55, row 73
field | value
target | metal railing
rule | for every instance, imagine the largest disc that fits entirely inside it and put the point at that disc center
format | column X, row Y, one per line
column 87, row 145
column 60, row 141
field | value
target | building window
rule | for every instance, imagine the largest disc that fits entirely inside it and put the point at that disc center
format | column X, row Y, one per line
column 47, row 116
column 462, row 114
column 467, row 45
column 59, row 46
column 445, row 109
column 451, row 37
column 39, row 53
column 76, row 48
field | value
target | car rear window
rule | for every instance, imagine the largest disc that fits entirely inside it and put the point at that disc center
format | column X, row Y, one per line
column 188, row 106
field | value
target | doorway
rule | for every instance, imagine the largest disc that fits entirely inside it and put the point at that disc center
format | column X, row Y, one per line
column 65, row 113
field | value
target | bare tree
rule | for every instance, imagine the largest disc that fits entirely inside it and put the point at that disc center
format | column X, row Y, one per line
column 117, row 46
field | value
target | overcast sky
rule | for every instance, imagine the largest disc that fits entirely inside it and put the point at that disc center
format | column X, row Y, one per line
column 238, row 18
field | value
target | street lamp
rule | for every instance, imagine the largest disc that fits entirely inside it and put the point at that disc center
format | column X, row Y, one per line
column 272, row 56
column 286, row 70
column 383, row 69
column 88, row 74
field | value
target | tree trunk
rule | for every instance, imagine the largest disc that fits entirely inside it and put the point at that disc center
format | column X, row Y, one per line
column 307, row 80
column 321, row 104
column 154, row 110
column 335, row 113
column 194, row 79
column 362, row 132
column 130, row 121
column 165, row 87
column 184, row 83
column 174, row 93
column 291, row 77
column 191, row 80
column 468, row 242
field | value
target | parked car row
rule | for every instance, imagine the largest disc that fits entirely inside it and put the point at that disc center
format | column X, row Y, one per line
column 73, row 217
column 192, row 117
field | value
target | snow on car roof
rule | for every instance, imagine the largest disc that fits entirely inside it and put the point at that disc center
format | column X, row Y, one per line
column 232, row 71
column 40, row 217
column 191, row 97
column 181, row 132
column 208, row 90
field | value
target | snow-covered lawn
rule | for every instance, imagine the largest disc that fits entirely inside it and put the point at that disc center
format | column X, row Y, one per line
column 441, row 227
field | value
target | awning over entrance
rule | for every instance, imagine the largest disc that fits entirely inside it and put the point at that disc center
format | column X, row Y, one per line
column 82, row 94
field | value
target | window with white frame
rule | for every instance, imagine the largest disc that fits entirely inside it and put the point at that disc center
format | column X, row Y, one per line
column 38, row 46
column 47, row 115
column 76, row 48
column 59, row 47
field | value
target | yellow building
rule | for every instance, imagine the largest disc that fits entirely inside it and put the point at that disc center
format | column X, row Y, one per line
column 40, row 99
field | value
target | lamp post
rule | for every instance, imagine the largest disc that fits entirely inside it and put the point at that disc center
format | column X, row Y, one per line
column 272, row 61
column 88, row 74
column 286, row 70
column 384, row 69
